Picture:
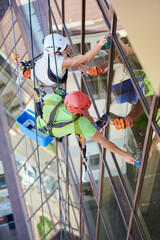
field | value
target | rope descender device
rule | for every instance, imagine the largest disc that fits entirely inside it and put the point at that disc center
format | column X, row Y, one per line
column 38, row 102
column 15, row 56
column 24, row 66
column 123, row 123
column 96, row 71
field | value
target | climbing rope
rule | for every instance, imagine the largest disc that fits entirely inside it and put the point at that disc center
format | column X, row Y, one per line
column 40, row 16
column 51, row 31
column 31, row 36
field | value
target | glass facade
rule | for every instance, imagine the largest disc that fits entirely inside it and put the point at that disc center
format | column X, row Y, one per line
column 115, row 200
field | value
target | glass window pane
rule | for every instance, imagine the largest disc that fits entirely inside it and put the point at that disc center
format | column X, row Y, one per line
column 42, row 223
column 133, row 61
column 149, row 205
column 135, row 234
column 102, row 233
column 128, row 123
column 91, row 206
column 111, row 211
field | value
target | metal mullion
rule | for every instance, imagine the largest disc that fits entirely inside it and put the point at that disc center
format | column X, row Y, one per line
column 55, row 21
column 122, row 180
column 92, row 179
column 57, row 160
column 104, row 224
column 100, row 192
column 17, row 144
column 111, row 60
column 85, row 212
column 73, row 211
column 77, row 193
column 90, row 95
column 107, row 4
column 50, row 231
column 63, row 15
column 156, row 128
column 27, row 159
column 68, row 220
column 146, row 148
column 104, row 14
column 43, row 189
column 93, row 187
column 41, row 173
column 72, row 236
column 58, row 8
column 67, row 179
column 114, row 188
column 109, row 83
column 64, row 206
column 73, row 167
column 29, row 219
column 115, row 191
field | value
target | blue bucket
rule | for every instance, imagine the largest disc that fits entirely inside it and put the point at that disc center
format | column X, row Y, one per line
column 125, row 92
column 26, row 122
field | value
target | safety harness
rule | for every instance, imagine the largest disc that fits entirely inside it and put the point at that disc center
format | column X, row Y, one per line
column 53, row 77
column 52, row 123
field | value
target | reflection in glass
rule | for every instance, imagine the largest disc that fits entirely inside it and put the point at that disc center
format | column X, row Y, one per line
column 43, row 224
column 133, row 61
column 90, row 204
column 149, row 205
column 102, row 234
column 50, row 183
column 111, row 211
column 130, row 135
column 135, row 234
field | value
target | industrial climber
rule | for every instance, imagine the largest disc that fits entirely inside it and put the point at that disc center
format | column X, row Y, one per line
column 61, row 117
column 52, row 68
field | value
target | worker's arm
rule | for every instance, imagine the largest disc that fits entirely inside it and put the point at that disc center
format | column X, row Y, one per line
column 98, row 137
column 84, row 68
column 77, row 60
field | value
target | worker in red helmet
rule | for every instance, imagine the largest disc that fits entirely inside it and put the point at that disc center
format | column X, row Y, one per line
column 62, row 117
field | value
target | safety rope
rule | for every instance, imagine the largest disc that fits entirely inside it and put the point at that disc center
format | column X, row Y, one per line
column 40, row 16
column 21, row 104
column 66, row 186
column 62, row 222
column 51, row 31
column 40, row 180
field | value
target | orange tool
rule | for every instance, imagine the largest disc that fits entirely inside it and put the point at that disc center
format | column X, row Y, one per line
column 123, row 123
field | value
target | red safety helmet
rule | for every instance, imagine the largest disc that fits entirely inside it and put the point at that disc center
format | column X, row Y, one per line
column 77, row 102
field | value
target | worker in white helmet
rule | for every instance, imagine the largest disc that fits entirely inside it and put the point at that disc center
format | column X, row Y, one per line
column 52, row 68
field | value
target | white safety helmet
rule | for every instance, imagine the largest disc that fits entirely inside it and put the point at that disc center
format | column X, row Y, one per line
column 58, row 41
